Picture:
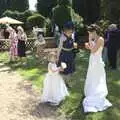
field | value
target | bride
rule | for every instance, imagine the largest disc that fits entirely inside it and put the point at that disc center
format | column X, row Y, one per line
column 95, row 88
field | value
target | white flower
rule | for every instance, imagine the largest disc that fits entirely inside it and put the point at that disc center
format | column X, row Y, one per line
column 75, row 44
column 63, row 65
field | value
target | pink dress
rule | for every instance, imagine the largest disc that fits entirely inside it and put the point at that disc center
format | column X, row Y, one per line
column 13, row 44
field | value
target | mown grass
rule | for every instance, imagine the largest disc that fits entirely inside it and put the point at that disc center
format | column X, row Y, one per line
column 72, row 108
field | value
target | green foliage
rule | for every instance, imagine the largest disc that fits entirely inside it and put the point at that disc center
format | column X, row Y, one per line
column 89, row 10
column 79, row 25
column 2, row 26
column 103, row 25
column 64, row 2
column 44, row 7
column 19, row 5
column 18, row 15
column 22, row 16
column 72, row 107
column 36, row 19
column 2, row 6
column 62, row 14
column 111, row 10
column 14, row 5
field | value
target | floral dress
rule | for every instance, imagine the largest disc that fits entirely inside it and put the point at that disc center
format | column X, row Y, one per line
column 13, row 44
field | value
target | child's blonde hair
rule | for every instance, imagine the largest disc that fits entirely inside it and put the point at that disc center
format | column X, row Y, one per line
column 51, row 56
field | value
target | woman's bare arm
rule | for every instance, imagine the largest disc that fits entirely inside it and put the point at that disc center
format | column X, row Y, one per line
column 99, row 43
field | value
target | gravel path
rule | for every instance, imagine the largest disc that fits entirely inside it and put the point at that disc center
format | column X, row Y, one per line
column 18, row 101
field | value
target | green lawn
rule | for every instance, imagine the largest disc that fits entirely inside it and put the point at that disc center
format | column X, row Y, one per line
column 72, row 106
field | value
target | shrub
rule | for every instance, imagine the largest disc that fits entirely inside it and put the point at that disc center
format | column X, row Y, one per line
column 36, row 20
column 2, row 26
column 22, row 16
column 44, row 7
column 64, row 2
column 78, row 22
column 62, row 14
column 103, row 25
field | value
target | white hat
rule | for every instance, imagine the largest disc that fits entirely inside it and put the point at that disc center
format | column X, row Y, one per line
column 112, row 27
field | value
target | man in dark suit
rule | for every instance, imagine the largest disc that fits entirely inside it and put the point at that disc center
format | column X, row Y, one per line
column 113, row 46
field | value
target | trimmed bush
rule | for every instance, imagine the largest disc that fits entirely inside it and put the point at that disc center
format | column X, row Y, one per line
column 22, row 16
column 62, row 14
column 103, row 25
column 44, row 7
column 78, row 22
column 64, row 2
column 36, row 20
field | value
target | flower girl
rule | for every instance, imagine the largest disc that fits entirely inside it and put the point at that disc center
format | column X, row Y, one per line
column 54, row 89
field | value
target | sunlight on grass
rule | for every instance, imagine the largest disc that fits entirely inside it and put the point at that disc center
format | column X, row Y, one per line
column 71, row 107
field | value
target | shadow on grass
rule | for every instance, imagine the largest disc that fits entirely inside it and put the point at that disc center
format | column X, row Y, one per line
column 72, row 107
column 44, row 111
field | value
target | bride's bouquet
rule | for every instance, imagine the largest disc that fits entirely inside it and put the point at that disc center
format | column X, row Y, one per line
column 63, row 65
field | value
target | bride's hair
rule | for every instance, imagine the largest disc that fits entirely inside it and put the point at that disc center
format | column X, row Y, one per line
column 94, row 27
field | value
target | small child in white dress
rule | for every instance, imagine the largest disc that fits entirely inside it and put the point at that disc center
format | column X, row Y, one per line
column 54, row 89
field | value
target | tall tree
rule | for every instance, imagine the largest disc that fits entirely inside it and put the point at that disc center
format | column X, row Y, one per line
column 63, row 13
column 93, row 11
column 19, row 5
column 44, row 7
column 89, row 9
column 2, row 6
column 9, row 4
column 111, row 10
column 80, row 7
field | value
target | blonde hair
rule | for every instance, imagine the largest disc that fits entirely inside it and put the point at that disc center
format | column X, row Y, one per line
column 20, row 28
column 9, row 29
column 52, row 56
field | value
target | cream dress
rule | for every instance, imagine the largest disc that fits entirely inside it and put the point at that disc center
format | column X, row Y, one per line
column 54, row 89
column 95, row 85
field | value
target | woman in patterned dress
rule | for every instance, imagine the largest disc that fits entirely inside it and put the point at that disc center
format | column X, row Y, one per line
column 13, row 43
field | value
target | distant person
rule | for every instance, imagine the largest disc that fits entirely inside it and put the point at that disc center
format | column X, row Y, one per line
column 2, row 34
column 105, row 50
column 113, row 45
column 22, row 38
column 35, row 31
column 40, row 42
column 110, row 28
column 57, row 35
column 13, row 44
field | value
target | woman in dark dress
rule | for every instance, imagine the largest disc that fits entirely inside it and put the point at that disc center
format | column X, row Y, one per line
column 22, row 38
column 66, row 47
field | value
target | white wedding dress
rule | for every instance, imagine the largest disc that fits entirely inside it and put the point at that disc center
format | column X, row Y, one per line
column 54, row 90
column 95, row 85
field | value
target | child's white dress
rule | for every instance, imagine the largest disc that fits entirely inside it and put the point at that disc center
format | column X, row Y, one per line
column 95, row 85
column 54, row 89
